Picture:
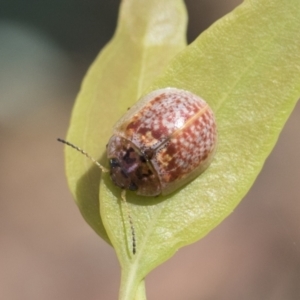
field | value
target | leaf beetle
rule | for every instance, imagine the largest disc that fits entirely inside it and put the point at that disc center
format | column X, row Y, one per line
column 161, row 143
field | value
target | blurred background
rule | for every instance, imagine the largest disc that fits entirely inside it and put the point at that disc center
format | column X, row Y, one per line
column 47, row 251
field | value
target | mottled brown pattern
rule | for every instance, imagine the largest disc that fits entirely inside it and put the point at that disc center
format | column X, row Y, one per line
column 155, row 122
column 188, row 148
column 174, row 133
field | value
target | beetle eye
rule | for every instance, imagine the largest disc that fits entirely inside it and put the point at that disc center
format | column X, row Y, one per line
column 113, row 162
column 132, row 186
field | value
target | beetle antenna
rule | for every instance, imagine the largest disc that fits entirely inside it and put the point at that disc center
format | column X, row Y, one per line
column 123, row 196
column 85, row 154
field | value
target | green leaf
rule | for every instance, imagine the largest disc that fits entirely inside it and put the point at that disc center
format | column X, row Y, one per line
column 148, row 35
column 246, row 66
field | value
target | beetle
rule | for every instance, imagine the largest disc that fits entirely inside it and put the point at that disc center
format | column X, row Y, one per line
column 161, row 143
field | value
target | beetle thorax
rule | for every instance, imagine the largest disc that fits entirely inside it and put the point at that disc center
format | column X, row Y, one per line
column 130, row 168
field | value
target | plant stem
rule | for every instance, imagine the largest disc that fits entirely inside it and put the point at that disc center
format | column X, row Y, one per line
column 141, row 291
column 129, row 289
